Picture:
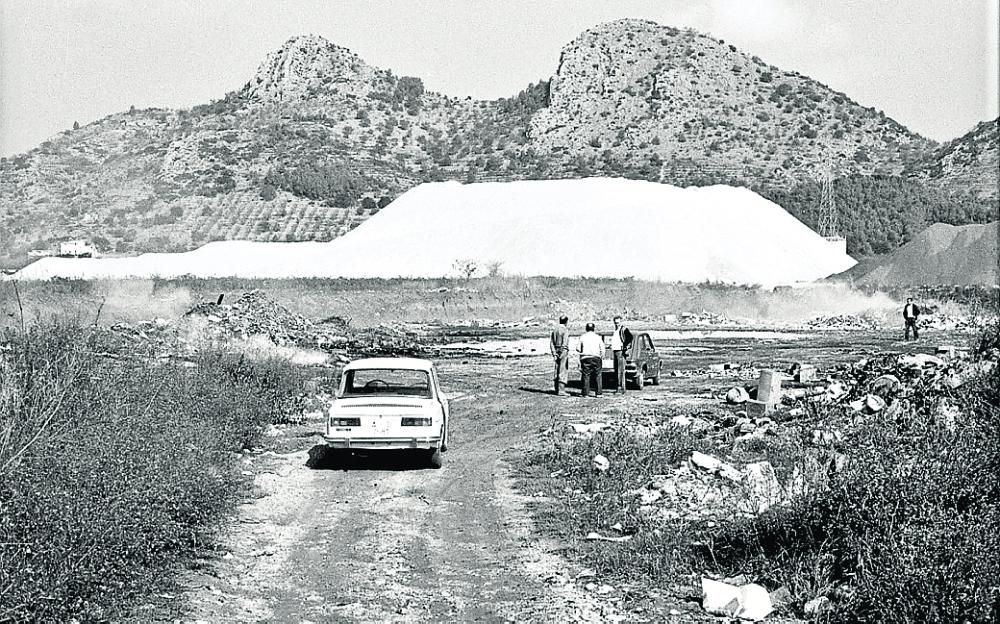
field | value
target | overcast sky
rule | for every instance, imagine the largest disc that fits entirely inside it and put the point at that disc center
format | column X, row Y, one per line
column 929, row 64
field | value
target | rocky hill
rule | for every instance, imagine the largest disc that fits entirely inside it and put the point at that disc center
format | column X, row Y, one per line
column 318, row 140
column 969, row 162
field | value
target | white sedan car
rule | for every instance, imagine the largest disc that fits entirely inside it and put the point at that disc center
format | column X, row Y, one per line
column 390, row 403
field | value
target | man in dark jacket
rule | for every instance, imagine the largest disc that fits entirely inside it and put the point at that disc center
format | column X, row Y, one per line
column 559, row 347
column 910, row 315
column 621, row 340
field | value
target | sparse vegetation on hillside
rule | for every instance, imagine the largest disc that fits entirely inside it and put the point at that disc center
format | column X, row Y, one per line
column 631, row 99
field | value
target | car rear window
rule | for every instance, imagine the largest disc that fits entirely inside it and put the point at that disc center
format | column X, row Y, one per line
column 387, row 382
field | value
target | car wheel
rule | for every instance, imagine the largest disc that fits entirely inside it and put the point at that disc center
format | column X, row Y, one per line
column 434, row 458
column 656, row 377
column 640, row 379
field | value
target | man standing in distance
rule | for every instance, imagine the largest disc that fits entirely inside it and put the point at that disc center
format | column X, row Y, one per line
column 591, row 350
column 910, row 315
column 559, row 347
column 621, row 340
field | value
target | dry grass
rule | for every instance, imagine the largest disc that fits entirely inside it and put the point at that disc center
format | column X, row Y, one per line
column 114, row 469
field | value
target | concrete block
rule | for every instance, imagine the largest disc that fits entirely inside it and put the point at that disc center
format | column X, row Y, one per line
column 769, row 386
column 806, row 373
column 757, row 409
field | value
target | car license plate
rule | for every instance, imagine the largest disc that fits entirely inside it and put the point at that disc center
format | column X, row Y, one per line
column 382, row 424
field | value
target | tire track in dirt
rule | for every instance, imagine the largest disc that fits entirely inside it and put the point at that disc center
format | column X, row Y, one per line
column 385, row 540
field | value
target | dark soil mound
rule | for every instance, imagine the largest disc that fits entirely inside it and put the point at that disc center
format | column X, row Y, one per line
column 941, row 254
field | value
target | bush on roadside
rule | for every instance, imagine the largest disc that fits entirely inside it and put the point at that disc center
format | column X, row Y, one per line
column 600, row 500
column 114, row 468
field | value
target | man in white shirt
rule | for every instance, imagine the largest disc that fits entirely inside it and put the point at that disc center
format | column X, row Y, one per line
column 621, row 340
column 591, row 349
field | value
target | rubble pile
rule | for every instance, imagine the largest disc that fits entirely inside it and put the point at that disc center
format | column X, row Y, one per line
column 843, row 322
column 893, row 384
column 702, row 318
column 742, row 370
column 705, row 488
column 158, row 335
column 387, row 340
column 256, row 314
column 951, row 322
column 526, row 322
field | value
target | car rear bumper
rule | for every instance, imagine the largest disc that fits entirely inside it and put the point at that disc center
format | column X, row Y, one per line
column 409, row 442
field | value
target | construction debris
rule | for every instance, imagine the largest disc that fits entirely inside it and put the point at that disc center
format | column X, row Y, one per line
column 737, row 395
column 747, row 602
column 816, row 606
column 588, row 429
column 843, row 322
column 594, row 536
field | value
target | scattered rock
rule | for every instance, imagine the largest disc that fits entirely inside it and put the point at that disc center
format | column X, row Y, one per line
column 781, row 597
column 761, row 488
column 748, row 602
column 886, row 384
column 601, row 463
column 588, row 429
column 715, row 466
column 737, row 395
column 594, row 536
column 920, row 360
column 816, row 606
column 874, row 403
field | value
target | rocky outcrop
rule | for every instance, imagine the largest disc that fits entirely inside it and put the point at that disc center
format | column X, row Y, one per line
column 632, row 89
column 970, row 162
column 307, row 66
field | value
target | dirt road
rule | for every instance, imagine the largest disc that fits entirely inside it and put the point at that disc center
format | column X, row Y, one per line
column 385, row 539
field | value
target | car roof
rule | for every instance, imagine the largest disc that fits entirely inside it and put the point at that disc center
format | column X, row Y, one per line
column 401, row 363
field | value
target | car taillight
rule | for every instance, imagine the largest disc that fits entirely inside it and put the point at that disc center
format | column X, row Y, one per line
column 409, row 421
column 345, row 422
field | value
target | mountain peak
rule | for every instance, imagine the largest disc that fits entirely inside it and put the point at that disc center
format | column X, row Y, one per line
column 302, row 65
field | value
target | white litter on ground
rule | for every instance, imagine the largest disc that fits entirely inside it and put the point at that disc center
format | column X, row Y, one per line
column 593, row 227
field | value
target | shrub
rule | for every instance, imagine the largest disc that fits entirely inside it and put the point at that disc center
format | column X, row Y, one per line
column 909, row 531
column 602, row 499
column 116, row 467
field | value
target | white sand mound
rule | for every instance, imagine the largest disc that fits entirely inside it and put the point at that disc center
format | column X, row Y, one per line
column 595, row 227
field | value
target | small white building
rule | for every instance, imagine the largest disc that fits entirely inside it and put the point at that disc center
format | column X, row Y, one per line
column 76, row 249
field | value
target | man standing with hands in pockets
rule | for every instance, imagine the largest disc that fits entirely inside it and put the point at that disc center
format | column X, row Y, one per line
column 621, row 340
column 559, row 347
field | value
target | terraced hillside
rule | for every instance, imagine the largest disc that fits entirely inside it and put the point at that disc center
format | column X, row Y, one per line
column 318, row 140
